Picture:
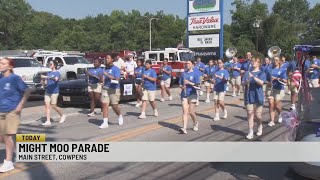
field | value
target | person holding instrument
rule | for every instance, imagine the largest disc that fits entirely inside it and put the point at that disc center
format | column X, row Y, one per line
column 254, row 80
column 278, row 78
column 187, row 82
column 138, row 81
column 236, row 78
column 149, row 90
column 220, row 80
column 110, row 94
column 52, row 92
column 209, row 72
column 312, row 67
column 94, row 85
column 165, row 79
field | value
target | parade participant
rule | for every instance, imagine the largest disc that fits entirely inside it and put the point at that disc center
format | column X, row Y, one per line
column 13, row 95
column 254, row 81
column 220, row 85
column 209, row 72
column 94, row 85
column 165, row 79
column 278, row 77
column 138, row 81
column 118, row 62
column 201, row 67
column 266, row 68
column 245, row 67
column 236, row 78
column 130, row 66
column 149, row 90
column 285, row 64
column 111, row 91
column 312, row 67
column 187, row 82
column 52, row 92
column 295, row 83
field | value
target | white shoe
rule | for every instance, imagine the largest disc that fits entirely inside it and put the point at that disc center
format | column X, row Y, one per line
column 197, row 103
column 225, row 114
column 120, row 121
column 47, row 123
column 63, row 119
column 280, row 119
column 250, row 135
column 142, row 116
column 196, row 126
column 216, row 118
column 138, row 105
column 162, row 100
column 104, row 125
column 293, row 108
column 201, row 93
column 91, row 114
column 207, row 101
column 259, row 132
column 170, row 98
column 233, row 95
column 238, row 94
column 184, row 131
column 156, row 114
column 271, row 124
column 6, row 166
column 289, row 92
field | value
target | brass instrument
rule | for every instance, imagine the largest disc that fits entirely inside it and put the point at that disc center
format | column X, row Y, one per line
column 273, row 52
column 231, row 52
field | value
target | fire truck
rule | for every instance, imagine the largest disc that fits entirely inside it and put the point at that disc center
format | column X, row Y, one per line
column 177, row 58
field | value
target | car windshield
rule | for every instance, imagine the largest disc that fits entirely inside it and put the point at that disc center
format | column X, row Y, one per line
column 75, row 60
column 26, row 63
column 186, row 56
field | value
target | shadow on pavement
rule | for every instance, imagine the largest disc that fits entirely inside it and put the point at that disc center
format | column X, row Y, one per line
column 169, row 125
column 227, row 130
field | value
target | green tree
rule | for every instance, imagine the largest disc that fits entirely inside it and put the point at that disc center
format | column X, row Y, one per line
column 293, row 11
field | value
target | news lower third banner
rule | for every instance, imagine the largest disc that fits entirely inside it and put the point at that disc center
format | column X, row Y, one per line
column 39, row 151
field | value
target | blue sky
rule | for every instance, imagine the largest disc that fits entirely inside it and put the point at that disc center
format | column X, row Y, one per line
column 81, row 8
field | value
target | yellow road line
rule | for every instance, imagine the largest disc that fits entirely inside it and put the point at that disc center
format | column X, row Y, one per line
column 19, row 167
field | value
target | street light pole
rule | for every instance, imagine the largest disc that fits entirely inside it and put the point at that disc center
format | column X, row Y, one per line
column 150, row 21
column 256, row 25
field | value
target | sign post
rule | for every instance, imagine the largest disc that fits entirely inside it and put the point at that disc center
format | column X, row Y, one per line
column 205, row 15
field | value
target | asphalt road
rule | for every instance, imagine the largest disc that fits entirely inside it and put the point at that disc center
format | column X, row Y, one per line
column 79, row 127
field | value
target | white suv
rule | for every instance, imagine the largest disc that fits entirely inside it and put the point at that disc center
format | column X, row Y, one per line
column 70, row 66
column 30, row 70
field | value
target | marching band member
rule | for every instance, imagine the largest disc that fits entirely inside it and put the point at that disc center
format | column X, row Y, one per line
column 52, row 92
column 138, row 81
column 200, row 66
column 278, row 77
column 285, row 64
column 236, row 78
column 111, row 91
column 94, row 85
column 254, row 80
column 149, row 90
column 220, row 85
column 13, row 95
column 188, row 81
column 165, row 79
column 209, row 72
column 312, row 67
column 266, row 68
column 245, row 67
column 295, row 83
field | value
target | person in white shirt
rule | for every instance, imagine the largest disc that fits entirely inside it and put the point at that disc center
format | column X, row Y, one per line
column 119, row 63
column 130, row 65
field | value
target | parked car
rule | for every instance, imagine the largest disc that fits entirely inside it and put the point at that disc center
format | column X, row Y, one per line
column 75, row 92
column 30, row 70
column 70, row 66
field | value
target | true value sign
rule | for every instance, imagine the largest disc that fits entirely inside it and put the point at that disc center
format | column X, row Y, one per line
column 205, row 22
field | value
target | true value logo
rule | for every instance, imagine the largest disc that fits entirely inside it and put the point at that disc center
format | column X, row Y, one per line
column 204, row 20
